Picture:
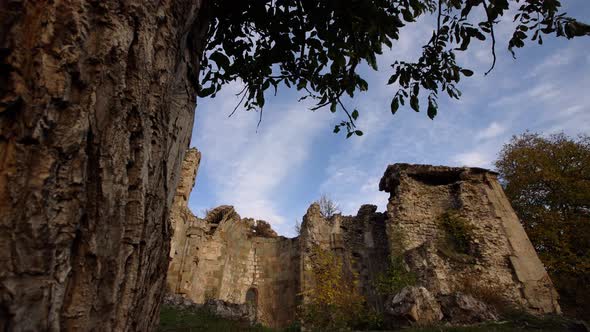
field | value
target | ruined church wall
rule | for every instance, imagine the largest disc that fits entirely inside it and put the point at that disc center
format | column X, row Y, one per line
column 223, row 258
column 181, row 218
column 277, row 279
column 360, row 240
column 226, row 257
column 221, row 263
column 421, row 194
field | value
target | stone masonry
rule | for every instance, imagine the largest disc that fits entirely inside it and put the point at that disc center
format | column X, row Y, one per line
column 504, row 257
column 241, row 260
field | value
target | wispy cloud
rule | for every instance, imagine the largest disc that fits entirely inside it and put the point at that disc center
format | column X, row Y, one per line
column 475, row 159
column 494, row 130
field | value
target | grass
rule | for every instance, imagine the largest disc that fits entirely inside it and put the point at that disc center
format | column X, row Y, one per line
column 514, row 322
column 174, row 319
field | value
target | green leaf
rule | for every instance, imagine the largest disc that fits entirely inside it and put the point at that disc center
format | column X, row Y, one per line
column 416, row 89
column 336, row 129
column 206, row 91
column 394, row 105
column 220, row 59
column 301, row 85
column 358, row 133
column 333, row 107
column 467, row 72
column 432, row 109
column 414, row 104
column 392, row 79
column 372, row 61
column 339, row 60
column 355, row 114
column 407, row 14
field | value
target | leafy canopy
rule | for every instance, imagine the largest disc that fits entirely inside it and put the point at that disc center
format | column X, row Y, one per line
column 547, row 180
column 318, row 45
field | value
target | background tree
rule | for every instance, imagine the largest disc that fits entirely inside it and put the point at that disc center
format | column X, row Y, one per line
column 547, row 180
column 297, row 227
column 328, row 208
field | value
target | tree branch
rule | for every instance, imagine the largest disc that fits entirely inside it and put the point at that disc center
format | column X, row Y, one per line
column 243, row 92
column 491, row 22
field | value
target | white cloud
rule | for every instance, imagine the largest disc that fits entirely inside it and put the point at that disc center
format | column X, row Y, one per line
column 554, row 62
column 492, row 131
column 350, row 187
column 475, row 159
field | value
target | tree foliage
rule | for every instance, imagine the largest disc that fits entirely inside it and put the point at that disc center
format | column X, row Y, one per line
column 547, row 180
column 317, row 46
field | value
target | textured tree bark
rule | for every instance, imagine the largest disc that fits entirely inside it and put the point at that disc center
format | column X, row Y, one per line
column 96, row 110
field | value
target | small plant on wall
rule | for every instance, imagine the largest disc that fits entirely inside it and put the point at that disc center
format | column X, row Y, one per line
column 396, row 276
column 457, row 244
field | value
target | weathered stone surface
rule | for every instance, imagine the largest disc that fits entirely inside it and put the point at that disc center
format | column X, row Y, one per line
column 502, row 255
column 233, row 311
column 360, row 240
column 463, row 308
column 225, row 257
column 97, row 101
column 415, row 304
column 181, row 218
column 180, row 302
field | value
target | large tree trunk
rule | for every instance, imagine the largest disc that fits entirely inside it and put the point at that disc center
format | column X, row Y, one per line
column 96, row 110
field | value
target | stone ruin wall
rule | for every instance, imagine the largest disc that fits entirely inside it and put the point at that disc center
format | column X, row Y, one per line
column 181, row 217
column 360, row 240
column 222, row 256
column 505, row 259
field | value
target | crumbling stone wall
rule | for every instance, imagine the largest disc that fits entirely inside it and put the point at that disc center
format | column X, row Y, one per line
column 222, row 257
column 240, row 260
column 503, row 256
column 181, row 217
column 360, row 240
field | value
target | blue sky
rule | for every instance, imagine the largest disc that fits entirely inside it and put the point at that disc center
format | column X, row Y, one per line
column 275, row 173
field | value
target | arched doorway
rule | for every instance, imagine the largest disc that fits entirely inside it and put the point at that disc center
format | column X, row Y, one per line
column 252, row 301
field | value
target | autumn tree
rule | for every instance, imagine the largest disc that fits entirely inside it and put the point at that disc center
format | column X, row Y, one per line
column 97, row 101
column 547, row 180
